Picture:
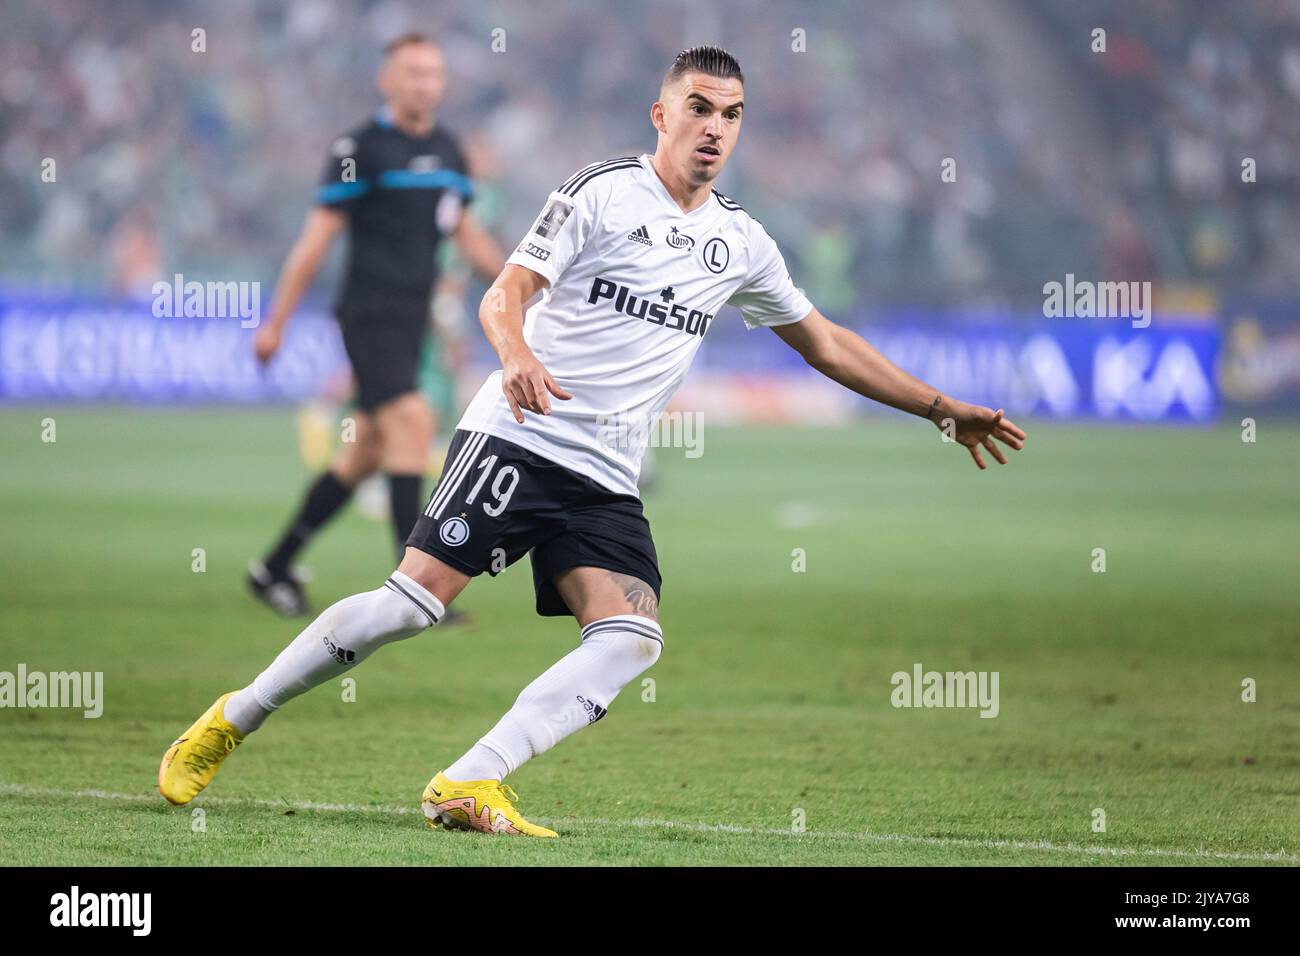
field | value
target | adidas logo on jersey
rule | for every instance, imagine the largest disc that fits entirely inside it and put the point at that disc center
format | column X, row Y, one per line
column 641, row 235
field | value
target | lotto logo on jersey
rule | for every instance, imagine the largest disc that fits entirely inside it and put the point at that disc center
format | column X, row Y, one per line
column 679, row 240
column 666, row 312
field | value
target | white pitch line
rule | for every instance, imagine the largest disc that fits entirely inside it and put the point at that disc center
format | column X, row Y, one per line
column 18, row 789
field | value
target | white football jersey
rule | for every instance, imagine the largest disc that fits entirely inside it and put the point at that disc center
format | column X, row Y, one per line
column 634, row 284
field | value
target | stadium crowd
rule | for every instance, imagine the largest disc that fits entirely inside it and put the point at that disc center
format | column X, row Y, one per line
column 170, row 159
column 1192, row 90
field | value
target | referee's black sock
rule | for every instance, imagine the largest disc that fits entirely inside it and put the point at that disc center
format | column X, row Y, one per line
column 323, row 500
column 404, row 498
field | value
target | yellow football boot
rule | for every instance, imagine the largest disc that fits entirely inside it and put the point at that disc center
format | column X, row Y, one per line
column 192, row 760
column 483, row 805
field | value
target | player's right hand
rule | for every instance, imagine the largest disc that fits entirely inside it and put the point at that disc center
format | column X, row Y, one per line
column 266, row 343
column 525, row 383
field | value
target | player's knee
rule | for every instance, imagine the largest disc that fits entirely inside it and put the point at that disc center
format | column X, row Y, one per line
column 405, row 621
column 406, row 415
column 356, row 626
column 645, row 651
column 411, row 606
column 635, row 639
column 356, row 465
column 630, row 646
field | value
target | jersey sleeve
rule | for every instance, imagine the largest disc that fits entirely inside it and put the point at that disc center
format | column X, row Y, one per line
column 344, row 178
column 561, row 231
column 767, row 297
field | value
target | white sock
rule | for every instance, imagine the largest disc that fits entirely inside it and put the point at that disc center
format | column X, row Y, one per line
column 576, row 691
column 345, row 634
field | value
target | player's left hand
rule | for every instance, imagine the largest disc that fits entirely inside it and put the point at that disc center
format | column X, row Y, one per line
column 976, row 426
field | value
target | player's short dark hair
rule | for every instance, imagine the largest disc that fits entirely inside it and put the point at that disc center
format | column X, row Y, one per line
column 709, row 60
column 410, row 38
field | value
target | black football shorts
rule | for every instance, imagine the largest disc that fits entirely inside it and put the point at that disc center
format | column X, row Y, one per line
column 496, row 502
column 384, row 347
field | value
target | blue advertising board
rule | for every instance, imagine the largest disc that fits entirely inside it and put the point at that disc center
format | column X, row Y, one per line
column 1061, row 368
column 80, row 351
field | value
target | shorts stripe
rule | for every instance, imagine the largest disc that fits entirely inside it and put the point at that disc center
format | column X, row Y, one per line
column 447, row 469
column 453, row 476
column 444, row 498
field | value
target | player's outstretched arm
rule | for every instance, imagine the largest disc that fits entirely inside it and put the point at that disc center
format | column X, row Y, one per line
column 847, row 358
column 524, row 380
column 319, row 230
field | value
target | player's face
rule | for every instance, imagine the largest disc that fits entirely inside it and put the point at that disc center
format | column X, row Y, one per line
column 413, row 80
column 701, row 121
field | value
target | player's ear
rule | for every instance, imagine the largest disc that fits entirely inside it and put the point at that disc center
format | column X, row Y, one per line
column 657, row 116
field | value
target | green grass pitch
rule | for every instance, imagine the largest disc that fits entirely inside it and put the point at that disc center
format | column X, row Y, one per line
column 1119, row 691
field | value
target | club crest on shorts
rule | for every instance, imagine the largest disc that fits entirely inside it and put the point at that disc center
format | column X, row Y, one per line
column 454, row 531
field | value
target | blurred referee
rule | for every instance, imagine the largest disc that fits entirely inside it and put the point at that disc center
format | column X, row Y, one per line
column 399, row 185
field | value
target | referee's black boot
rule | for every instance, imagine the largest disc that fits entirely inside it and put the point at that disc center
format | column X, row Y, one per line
column 282, row 593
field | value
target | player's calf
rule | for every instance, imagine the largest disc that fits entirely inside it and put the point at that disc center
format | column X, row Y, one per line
column 343, row 635
column 574, row 693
